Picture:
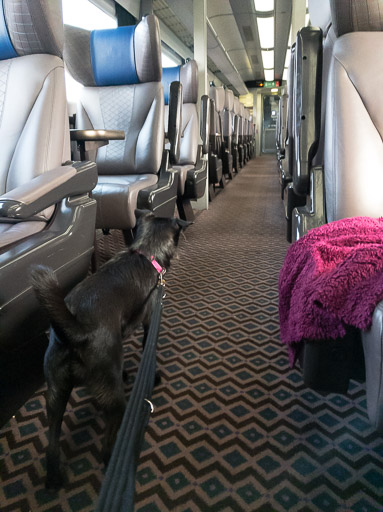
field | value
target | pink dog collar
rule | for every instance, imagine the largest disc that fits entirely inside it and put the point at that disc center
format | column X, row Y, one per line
column 156, row 265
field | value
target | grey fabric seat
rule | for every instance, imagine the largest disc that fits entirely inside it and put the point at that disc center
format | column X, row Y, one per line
column 46, row 215
column 349, row 156
column 227, row 127
column 282, row 125
column 192, row 169
column 217, row 102
column 312, row 214
column 241, row 146
column 353, row 148
column 121, row 73
column 236, row 121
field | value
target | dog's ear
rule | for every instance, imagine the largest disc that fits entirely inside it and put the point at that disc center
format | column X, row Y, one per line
column 142, row 213
column 183, row 224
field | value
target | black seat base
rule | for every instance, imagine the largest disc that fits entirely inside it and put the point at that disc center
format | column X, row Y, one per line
column 328, row 365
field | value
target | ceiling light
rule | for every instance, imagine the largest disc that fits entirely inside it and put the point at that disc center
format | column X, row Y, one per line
column 268, row 58
column 264, row 5
column 285, row 73
column 274, row 90
column 266, row 31
column 269, row 75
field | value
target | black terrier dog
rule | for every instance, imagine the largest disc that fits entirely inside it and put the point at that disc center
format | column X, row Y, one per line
column 89, row 324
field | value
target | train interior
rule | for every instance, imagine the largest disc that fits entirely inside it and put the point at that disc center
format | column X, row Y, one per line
column 257, row 124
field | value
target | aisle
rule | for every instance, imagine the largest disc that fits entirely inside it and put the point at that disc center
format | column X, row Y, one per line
column 234, row 428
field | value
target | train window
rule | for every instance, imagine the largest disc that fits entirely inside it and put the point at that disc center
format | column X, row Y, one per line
column 168, row 62
column 84, row 14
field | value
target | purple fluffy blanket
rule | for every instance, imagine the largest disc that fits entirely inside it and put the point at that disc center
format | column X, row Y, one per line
column 331, row 278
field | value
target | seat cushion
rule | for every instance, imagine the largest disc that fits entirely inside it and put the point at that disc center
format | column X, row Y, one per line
column 182, row 173
column 117, row 199
column 10, row 233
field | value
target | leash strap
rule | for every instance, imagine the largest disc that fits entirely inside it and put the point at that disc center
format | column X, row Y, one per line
column 118, row 487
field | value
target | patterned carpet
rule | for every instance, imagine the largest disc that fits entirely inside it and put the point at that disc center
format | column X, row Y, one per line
column 234, row 428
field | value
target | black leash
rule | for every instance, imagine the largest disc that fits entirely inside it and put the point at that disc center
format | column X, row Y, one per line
column 118, row 488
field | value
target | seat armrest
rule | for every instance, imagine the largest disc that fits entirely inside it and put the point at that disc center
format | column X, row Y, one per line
column 49, row 188
column 175, row 121
column 89, row 140
column 164, row 191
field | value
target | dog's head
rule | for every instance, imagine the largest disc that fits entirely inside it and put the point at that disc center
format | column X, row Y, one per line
column 157, row 236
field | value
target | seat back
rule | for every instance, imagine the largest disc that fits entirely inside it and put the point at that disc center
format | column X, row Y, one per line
column 291, row 117
column 241, row 124
column 282, row 122
column 187, row 74
column 320, row 16
column 217, row 94
column 236, row 110
column 121, row 73
column 227, row 126
column 34, row 129
column 354, row 113
column 307, row 104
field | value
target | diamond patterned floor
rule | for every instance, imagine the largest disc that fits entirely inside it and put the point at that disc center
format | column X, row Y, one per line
column 234, row 429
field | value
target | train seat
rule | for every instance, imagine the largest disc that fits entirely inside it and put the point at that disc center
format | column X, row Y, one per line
column 227, row 123
column 306, row 116
column 252, row 136
column 311, row 178
column 217, row 102
column 46, row 214
column 120, row 70
column 354, row 171
column 191, row 166
column 247, row 115
column 286, row 166
column 241, row 149
column 353, row 176
column 235, row 128
column 282, row 125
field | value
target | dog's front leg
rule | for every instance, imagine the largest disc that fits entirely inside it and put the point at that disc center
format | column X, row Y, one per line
column 56, row 404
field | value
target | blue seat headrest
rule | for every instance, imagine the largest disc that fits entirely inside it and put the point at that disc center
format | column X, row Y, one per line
column 112, row 56
column 6, row 47
column 118, row 56
column 169, row 75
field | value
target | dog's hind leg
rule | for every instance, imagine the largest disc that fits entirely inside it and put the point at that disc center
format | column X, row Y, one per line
column 146, row 324
column 113, row 403
column 56, row 403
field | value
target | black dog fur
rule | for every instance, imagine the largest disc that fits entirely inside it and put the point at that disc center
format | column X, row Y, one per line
column 89, row 324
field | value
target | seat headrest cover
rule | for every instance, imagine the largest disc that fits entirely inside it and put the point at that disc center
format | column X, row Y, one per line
column 356, row 16
column 236, row 105
column 31, row 27
column 229, row 100
column 119, row 56
column 242, row 110
column 218, row 95
column 320, row 14
column 189, row 80
column 169, row 75
column 112, row 56
column 6, row 48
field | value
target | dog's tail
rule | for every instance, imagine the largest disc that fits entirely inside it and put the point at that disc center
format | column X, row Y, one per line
column 52, row 298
